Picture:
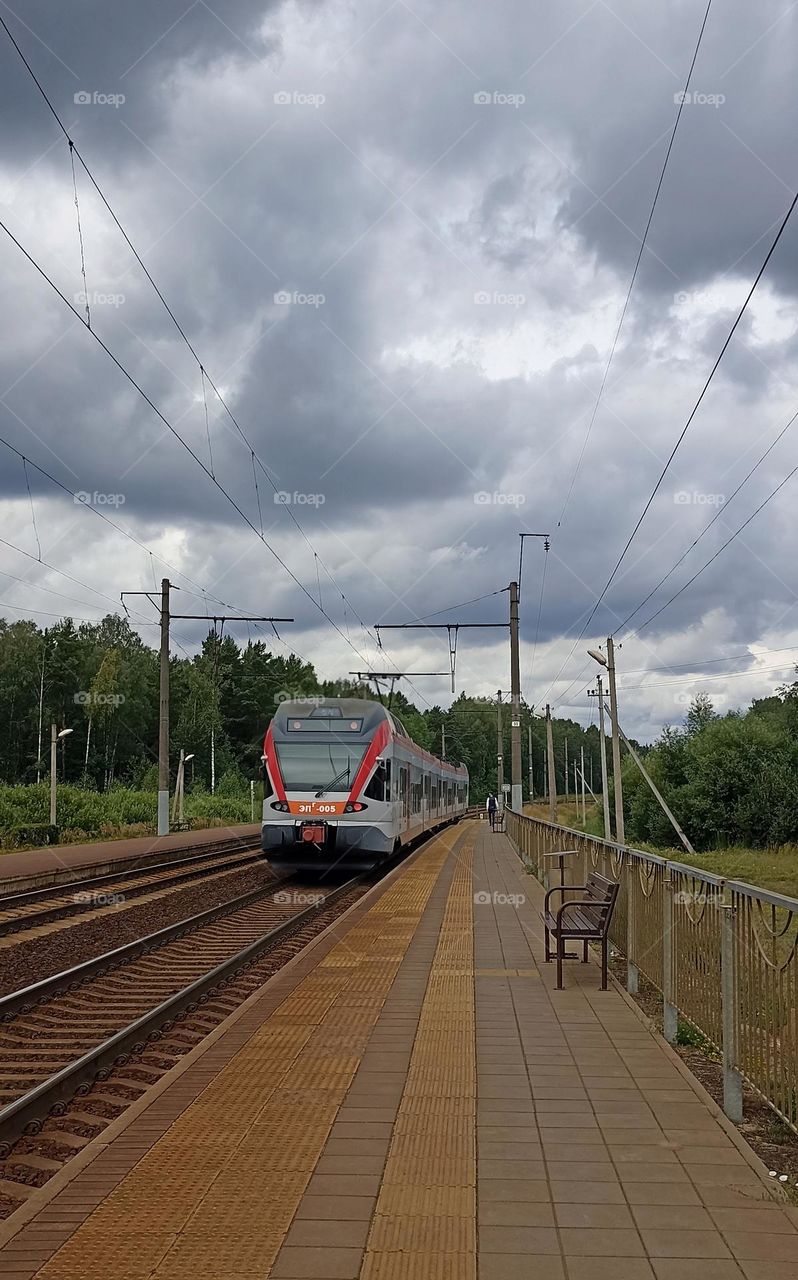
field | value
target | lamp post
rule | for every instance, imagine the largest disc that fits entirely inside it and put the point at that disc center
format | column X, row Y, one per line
column 177, row 803
column 55, row 738
column 608, row 661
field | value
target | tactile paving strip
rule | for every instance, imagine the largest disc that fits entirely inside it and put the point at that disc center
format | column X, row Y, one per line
column 216, row 1195
column 424, row 1224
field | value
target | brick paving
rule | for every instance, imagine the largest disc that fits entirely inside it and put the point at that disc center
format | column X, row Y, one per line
column 416, row 1102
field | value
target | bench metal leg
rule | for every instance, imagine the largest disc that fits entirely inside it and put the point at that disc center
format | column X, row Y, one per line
column 546, row 944
column 560, row 946
column 584, row 953
column 604, row 963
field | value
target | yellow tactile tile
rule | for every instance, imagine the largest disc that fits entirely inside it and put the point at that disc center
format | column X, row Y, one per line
column 219, row 1190
column 424, row 1226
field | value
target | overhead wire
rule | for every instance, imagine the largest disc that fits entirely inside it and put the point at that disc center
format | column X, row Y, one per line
column 683, row 98
column 720, row 511
column 75, row 151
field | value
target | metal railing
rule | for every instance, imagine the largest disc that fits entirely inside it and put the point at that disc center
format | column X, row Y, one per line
column 723, row 953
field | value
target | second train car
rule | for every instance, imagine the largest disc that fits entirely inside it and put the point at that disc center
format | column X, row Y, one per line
column 346, row 786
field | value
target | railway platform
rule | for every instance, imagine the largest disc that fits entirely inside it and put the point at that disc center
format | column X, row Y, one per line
column 410, row 1097
column 58, row 864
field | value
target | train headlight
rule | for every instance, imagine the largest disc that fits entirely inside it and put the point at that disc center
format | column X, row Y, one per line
column 357, row 807
column 280, row 806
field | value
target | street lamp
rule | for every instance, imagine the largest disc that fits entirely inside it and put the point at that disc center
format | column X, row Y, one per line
column 608, row 661
column 177, row 803
column 55, row 738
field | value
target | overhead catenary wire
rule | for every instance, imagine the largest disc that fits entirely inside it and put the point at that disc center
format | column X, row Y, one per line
column 741, row 312
column 173, row 431
column 719, row 551
column 75, row 151
column 720, row 511
column 683, row 98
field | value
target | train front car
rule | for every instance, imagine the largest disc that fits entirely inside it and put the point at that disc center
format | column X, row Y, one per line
column 327, row 785
column 345, row 786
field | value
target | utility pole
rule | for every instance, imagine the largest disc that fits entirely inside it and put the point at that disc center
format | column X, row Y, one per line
column 598, row 692
column 566, row 771
column 443, row 741
column 531, row 773
column 163, row 695
column 551, row 769
column 53, row 763
column 620, row 834
column 499, row 751
column 516, row 795
column 163, row 716
column 584, row 812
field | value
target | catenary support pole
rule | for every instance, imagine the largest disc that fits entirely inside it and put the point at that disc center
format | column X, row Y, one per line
column 516, row 792
column 163, row 716
column 552, row 773
column 620, row 833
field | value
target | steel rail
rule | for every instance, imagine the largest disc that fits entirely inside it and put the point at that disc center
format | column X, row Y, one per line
column 28, row 1113
column 250, row 852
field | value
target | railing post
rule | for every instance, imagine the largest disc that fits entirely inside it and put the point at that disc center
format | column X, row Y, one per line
column 632, row 972
column 670, row 1015
column 732, row 1080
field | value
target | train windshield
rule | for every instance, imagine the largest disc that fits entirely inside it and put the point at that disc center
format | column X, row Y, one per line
column 314, row 766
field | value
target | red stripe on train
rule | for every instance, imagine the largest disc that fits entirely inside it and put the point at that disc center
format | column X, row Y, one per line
column 273, row 766
column 378, row 742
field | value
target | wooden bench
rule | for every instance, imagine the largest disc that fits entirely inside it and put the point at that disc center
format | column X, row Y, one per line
column 586, row 919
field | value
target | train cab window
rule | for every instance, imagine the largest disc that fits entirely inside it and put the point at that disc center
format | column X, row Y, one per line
column 379, row 787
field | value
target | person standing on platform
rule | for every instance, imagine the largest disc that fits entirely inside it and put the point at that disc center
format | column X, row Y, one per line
column 492, row 806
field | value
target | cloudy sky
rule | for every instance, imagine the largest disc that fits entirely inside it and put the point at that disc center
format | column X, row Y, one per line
column 399, row 237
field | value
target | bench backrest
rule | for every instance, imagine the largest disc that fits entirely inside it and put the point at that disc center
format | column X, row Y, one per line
column 602, row 894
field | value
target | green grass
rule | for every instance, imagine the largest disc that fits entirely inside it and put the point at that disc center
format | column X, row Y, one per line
column 773, row 869
column 85, row 815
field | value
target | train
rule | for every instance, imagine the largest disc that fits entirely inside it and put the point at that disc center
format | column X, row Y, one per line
column 345, row 786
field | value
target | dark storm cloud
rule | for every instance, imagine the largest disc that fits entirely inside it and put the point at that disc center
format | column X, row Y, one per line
column 468, row 260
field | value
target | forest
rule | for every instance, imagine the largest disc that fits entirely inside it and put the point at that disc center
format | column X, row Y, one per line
column 730, row 779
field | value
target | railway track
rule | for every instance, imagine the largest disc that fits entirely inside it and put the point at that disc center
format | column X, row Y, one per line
column 77, row 1048
column 30, row 910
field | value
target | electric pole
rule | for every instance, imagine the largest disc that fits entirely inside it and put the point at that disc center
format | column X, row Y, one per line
column 163, row 716
column 443, row 741
column 566, row 771
column 499, row 749
column 605, row 797
column 516, row 795
column 620, row 834
column 551, row 769
column 163, row 692
column 531, row 772
column 584, row 813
